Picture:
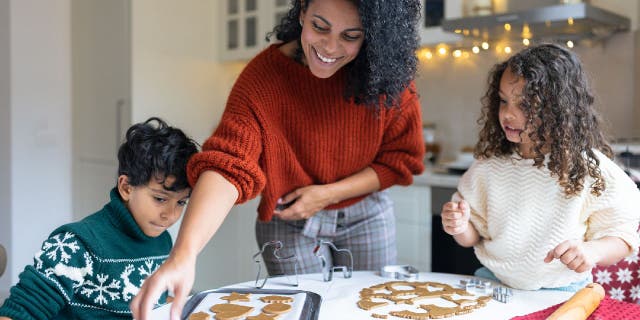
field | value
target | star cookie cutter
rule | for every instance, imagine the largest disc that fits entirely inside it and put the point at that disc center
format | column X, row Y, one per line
column 277, row 245
column 477, row 285
column 327, row 270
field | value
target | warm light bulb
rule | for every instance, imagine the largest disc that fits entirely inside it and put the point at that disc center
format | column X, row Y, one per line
column 485, row 45
column 570, row 21
column 475, row 49
column 507, row 27
column 507, row 50
column 457, row 53
column 428, row 55
column 442, row 51
column 570, row 44
column 525, row 41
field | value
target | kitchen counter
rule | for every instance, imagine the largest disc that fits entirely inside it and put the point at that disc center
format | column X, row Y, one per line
column 340, row 297
column 436, row 177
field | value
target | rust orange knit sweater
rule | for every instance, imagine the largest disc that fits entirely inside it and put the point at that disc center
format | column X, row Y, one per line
column 283, row 128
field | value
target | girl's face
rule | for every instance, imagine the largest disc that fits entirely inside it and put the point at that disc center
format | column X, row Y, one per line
column 152, row 206
column 332, row 35
column 512, row 118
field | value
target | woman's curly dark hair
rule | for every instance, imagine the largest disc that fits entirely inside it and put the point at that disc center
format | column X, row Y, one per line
column 558, row 104
column 387, row 60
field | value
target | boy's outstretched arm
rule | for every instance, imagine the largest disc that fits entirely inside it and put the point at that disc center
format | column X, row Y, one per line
column 455, row 221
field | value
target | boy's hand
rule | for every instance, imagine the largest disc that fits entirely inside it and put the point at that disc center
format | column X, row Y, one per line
column 574, row 254
column 455, row 217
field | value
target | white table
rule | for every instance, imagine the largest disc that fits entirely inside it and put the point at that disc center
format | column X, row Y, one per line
column 339, row 296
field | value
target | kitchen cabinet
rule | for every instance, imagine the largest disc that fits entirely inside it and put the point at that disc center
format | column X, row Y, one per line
column 101, row 94
column 431, row 33
column 245, row 24
column 413, row 225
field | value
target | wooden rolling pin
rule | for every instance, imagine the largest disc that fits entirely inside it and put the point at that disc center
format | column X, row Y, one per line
column 581, row 304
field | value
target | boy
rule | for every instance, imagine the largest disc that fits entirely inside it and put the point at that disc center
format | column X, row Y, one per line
column 93, row 268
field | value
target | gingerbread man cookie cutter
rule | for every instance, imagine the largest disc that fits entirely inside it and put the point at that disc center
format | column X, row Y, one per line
column 277, row 245
column 328, row 270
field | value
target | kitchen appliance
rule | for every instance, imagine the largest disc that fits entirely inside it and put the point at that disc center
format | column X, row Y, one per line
column 627, row 155
column 541, row 20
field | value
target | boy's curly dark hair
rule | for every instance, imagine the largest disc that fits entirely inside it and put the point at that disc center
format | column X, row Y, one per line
column 387, row 59
column 157, row 151
column 558, row 103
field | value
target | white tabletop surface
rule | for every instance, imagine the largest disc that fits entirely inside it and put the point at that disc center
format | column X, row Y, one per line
column 339, row 297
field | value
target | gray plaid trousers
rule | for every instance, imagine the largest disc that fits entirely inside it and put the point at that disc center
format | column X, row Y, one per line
column 367, row 228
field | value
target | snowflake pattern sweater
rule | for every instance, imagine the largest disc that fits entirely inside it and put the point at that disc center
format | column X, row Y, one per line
column 283, row 128
column 521, row 213
column 90, row 269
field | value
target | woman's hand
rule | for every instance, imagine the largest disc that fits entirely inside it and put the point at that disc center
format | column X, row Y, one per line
column 176, row 275
column 574, row 254
column 455, row 217
column 304, row 202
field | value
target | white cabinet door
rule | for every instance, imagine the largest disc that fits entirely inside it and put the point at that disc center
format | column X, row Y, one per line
column 101, row 73
column 413, row 225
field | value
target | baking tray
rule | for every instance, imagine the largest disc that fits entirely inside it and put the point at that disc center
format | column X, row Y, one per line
column 310, row 309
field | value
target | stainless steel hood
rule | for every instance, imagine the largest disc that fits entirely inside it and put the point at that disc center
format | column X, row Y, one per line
column 549, row 23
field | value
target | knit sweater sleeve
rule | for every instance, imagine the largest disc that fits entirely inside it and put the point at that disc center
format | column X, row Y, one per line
column 616, row 211
column 234, row 148
column 402, row 151
column 472, row 189
column 45, row 287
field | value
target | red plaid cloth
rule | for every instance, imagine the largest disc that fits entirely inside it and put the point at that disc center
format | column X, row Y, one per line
column 609, row 309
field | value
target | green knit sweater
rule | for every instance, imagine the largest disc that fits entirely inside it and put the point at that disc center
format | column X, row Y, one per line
column 89, row 269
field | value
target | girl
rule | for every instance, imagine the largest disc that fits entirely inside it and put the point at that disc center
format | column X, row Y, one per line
column 318, row 126
column 543, row 203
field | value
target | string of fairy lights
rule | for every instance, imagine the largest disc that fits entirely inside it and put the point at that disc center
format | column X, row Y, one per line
column 473, row 45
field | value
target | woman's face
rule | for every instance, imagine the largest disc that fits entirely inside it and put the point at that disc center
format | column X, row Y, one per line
column 332, row 35
column 512, row 118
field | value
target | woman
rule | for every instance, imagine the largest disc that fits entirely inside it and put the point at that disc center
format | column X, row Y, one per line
column 317, row 125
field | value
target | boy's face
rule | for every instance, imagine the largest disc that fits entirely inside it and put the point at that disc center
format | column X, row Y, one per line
column 152, row 206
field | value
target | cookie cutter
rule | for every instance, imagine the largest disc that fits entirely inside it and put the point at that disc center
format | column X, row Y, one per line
column 477, row 285
column 399, row 272
column 327, row 270
column 502, row 294
column 277, row 245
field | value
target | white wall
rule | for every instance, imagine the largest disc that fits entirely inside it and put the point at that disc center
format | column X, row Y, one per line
column 40, row 139
column 175, row 73
column 5, row 139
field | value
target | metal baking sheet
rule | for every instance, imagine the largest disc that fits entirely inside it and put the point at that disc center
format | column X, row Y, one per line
column 310, row 309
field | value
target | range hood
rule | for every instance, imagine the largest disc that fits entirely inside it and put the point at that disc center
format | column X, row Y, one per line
column 560, row 22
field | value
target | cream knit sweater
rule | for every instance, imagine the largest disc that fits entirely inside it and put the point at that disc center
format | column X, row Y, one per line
column 521, row 213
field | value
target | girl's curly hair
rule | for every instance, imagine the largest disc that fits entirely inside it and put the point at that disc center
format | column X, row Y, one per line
column 387, row 61
column 558, row 104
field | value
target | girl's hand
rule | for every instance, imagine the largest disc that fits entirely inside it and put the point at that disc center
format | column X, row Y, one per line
column 455, row 217
column 574, row 254
column 304, row 202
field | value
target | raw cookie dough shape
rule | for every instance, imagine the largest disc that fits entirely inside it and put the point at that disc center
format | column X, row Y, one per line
column 367, row 304
column 276, row 308
column 262, row 316
column 199, row 316
column 379, row 316
column 438, row 312
column 281, row 299
column 410, row 314
column 230, row 311
column 234, row 296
